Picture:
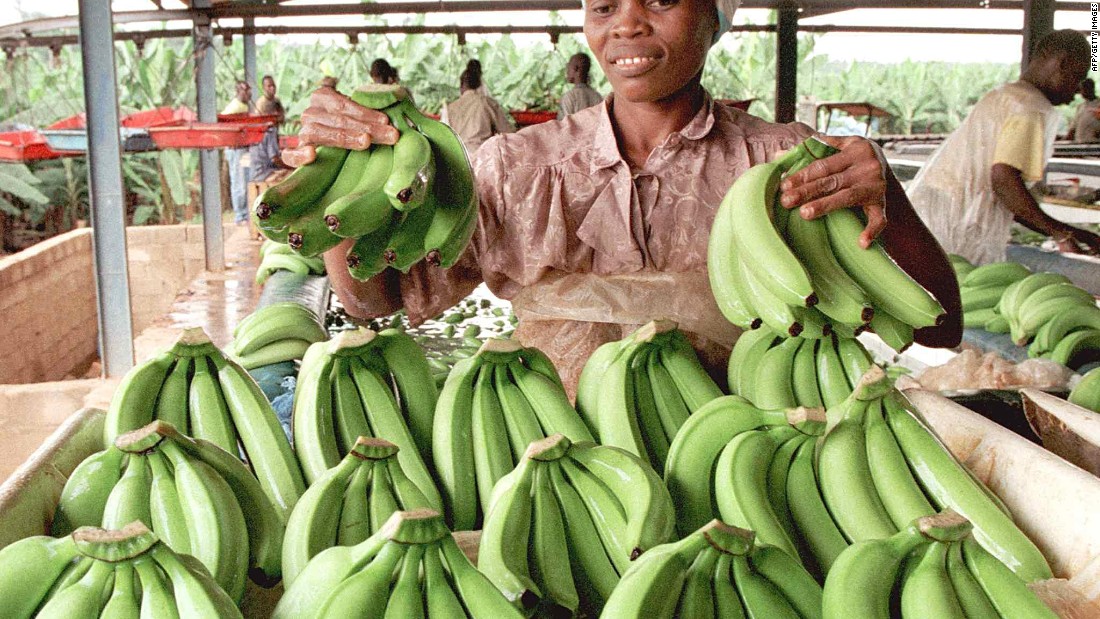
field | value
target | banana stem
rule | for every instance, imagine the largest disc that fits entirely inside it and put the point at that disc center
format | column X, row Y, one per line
column 728, row 539
column 113, row 546
column 946, row 526
column 417, row 526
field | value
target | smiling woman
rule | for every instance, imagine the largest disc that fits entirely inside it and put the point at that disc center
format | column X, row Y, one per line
column 598, row 223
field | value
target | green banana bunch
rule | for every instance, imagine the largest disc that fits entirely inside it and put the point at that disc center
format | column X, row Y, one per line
column 492, row 406
column 1037, row 300
column 279, row 256
column 1086, row 393
column 1070, row 320
column 773, row 372
column 346, row 390
column 411, row 567
column 273, row 324
column 818, row 280
column 375, row 196
column 349, row 503
column 932, row 568
column 995, row 274
column 197, row 498
column 982, row 289
column 716, row 571
column 960, row 265
column 636, row 393
column 567, row 522
column 194, row 387
column 93, row 572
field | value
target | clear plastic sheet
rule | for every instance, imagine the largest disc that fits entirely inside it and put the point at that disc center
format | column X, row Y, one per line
column 972, row 370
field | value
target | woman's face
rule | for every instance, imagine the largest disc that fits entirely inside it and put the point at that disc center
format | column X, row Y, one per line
column 650, row 49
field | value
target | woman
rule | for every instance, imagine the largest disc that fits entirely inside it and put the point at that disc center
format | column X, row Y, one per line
column 597, row 223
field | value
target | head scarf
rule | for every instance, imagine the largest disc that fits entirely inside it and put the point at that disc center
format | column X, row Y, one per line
column 726, row 9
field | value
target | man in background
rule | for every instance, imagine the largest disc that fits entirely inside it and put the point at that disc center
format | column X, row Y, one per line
column 238, row 175
column 473, row 116
column 1086, row 126
column 268, row 103
column 264, row 155
column 582, row 95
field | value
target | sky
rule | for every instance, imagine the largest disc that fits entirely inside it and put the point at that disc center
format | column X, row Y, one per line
column 838, row 46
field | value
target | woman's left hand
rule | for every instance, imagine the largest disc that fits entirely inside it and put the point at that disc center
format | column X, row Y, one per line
column 852, row 177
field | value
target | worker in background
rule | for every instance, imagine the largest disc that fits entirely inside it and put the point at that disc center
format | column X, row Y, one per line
column 238, row 174
column 264, row 155
column 1085, row 127
column 582, row 95
column 329, row 81
column 382, row 73
column 475, row 117
column 594, row 225
column 976, row 183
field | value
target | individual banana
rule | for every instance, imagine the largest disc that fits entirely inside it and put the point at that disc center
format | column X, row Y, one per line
column 724, row 271
column 413, row 169
column 550, row 403
column 276, row 352
column 502, row 553
column 895, row 333
column 283, row 203
column 996, row 274
column 773, row 388
column 891, row 289
column 816, row 529
column 173, row 397
column 261, row 436
column 839, row 296
column 1086, row 393
column 549, row 548
column 134, row 402
column 926, row 590
column 85, row 598
column 900, row 493
column 125, row 600
column 832, row 380
column 948, row 483
column 416, row 391
column 492, row 453
column 314, row 522
column 365, row 208
column 129, row 500
column 804, row 374
column 974, row 299
column 775, row 313
column 1067, row 350
column 28, row 568
column 589, row 385
column 86, row 491
column 196, row 592
column 975, row 603
column 208, row 413
column 594, row 573
column 696, row 387
column 1008, row 593
column 452, row 447
column 672, row 410
column 745, row 358
column 156, row 594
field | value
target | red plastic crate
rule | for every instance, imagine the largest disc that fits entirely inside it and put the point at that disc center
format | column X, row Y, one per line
column 28, row 145
column 76, row 121
column 158, row 117
column 207, row 135
column 525, row 118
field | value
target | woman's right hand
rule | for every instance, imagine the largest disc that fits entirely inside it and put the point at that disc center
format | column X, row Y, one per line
column 333, row 119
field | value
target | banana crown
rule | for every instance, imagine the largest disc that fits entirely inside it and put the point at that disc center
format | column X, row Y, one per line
column 128, row 542
column 418, row 526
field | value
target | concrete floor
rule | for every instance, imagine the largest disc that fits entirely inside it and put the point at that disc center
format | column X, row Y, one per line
column 213, row 301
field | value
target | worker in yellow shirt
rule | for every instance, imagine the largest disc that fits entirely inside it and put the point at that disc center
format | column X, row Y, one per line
column 975, row 184
column 238, row 173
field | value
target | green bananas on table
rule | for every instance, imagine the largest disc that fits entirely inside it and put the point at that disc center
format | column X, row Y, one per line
column 275, row 333
column 411, row 567
column 567, row 522
column 349, row 503
column 98, row 573
column 716, row 572
column 817, row 278
column 774, row 372
column 403, row 204
column 933, row 568
column 197, row 389
column 197, row 498
column 365, row 383
column 279, row 256
column 492, row 406
column 635, row 393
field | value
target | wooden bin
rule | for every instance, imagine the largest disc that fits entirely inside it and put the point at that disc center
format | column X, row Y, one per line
column 1066, row 429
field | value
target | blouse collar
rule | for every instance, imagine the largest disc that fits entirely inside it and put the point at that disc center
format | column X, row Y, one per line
column 605, row 149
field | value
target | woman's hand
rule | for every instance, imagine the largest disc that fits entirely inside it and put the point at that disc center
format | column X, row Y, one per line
column 333, row 119
column 1078, row 241
column 852, row 177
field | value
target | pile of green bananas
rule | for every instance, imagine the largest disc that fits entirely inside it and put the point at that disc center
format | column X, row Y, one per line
column 981, row 289
column 870, row 471
column 198, row 390
column 402, row 204
column 778, row 372
column 1086, row 393
column 567, row 523
column 493, row 405
column 635, row 393
column 350, row 503
column 97, row 573
column 930, row 568
column 716, row 571
column 363, row 383
column 199, row 500
column 275, row 333
column 818, row 278
column 280, row 257
column 411, row 567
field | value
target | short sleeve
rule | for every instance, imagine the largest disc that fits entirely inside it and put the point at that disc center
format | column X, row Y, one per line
column 1021, row 145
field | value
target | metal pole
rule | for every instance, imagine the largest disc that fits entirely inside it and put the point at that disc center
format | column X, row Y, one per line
column 108, row 210
column 250, row 57
column 209, row 162
column 786, row 63
column 1038, row 21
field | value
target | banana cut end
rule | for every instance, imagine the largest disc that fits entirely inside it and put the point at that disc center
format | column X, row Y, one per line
column 497, row 344
column 194, row 336
column 728, row 539
column 416, row 526
column 371, row 448
column 804, row 415
column 946, row 526
column 145, row 438
column 114, row 545
column 654, row 328
column 548, row 449
column 352, row 339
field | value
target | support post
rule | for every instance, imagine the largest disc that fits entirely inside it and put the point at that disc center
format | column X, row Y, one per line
column 107, row 206
column 250, row 58
column 209, row 163
column 1038, row 21
column 786, row 62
